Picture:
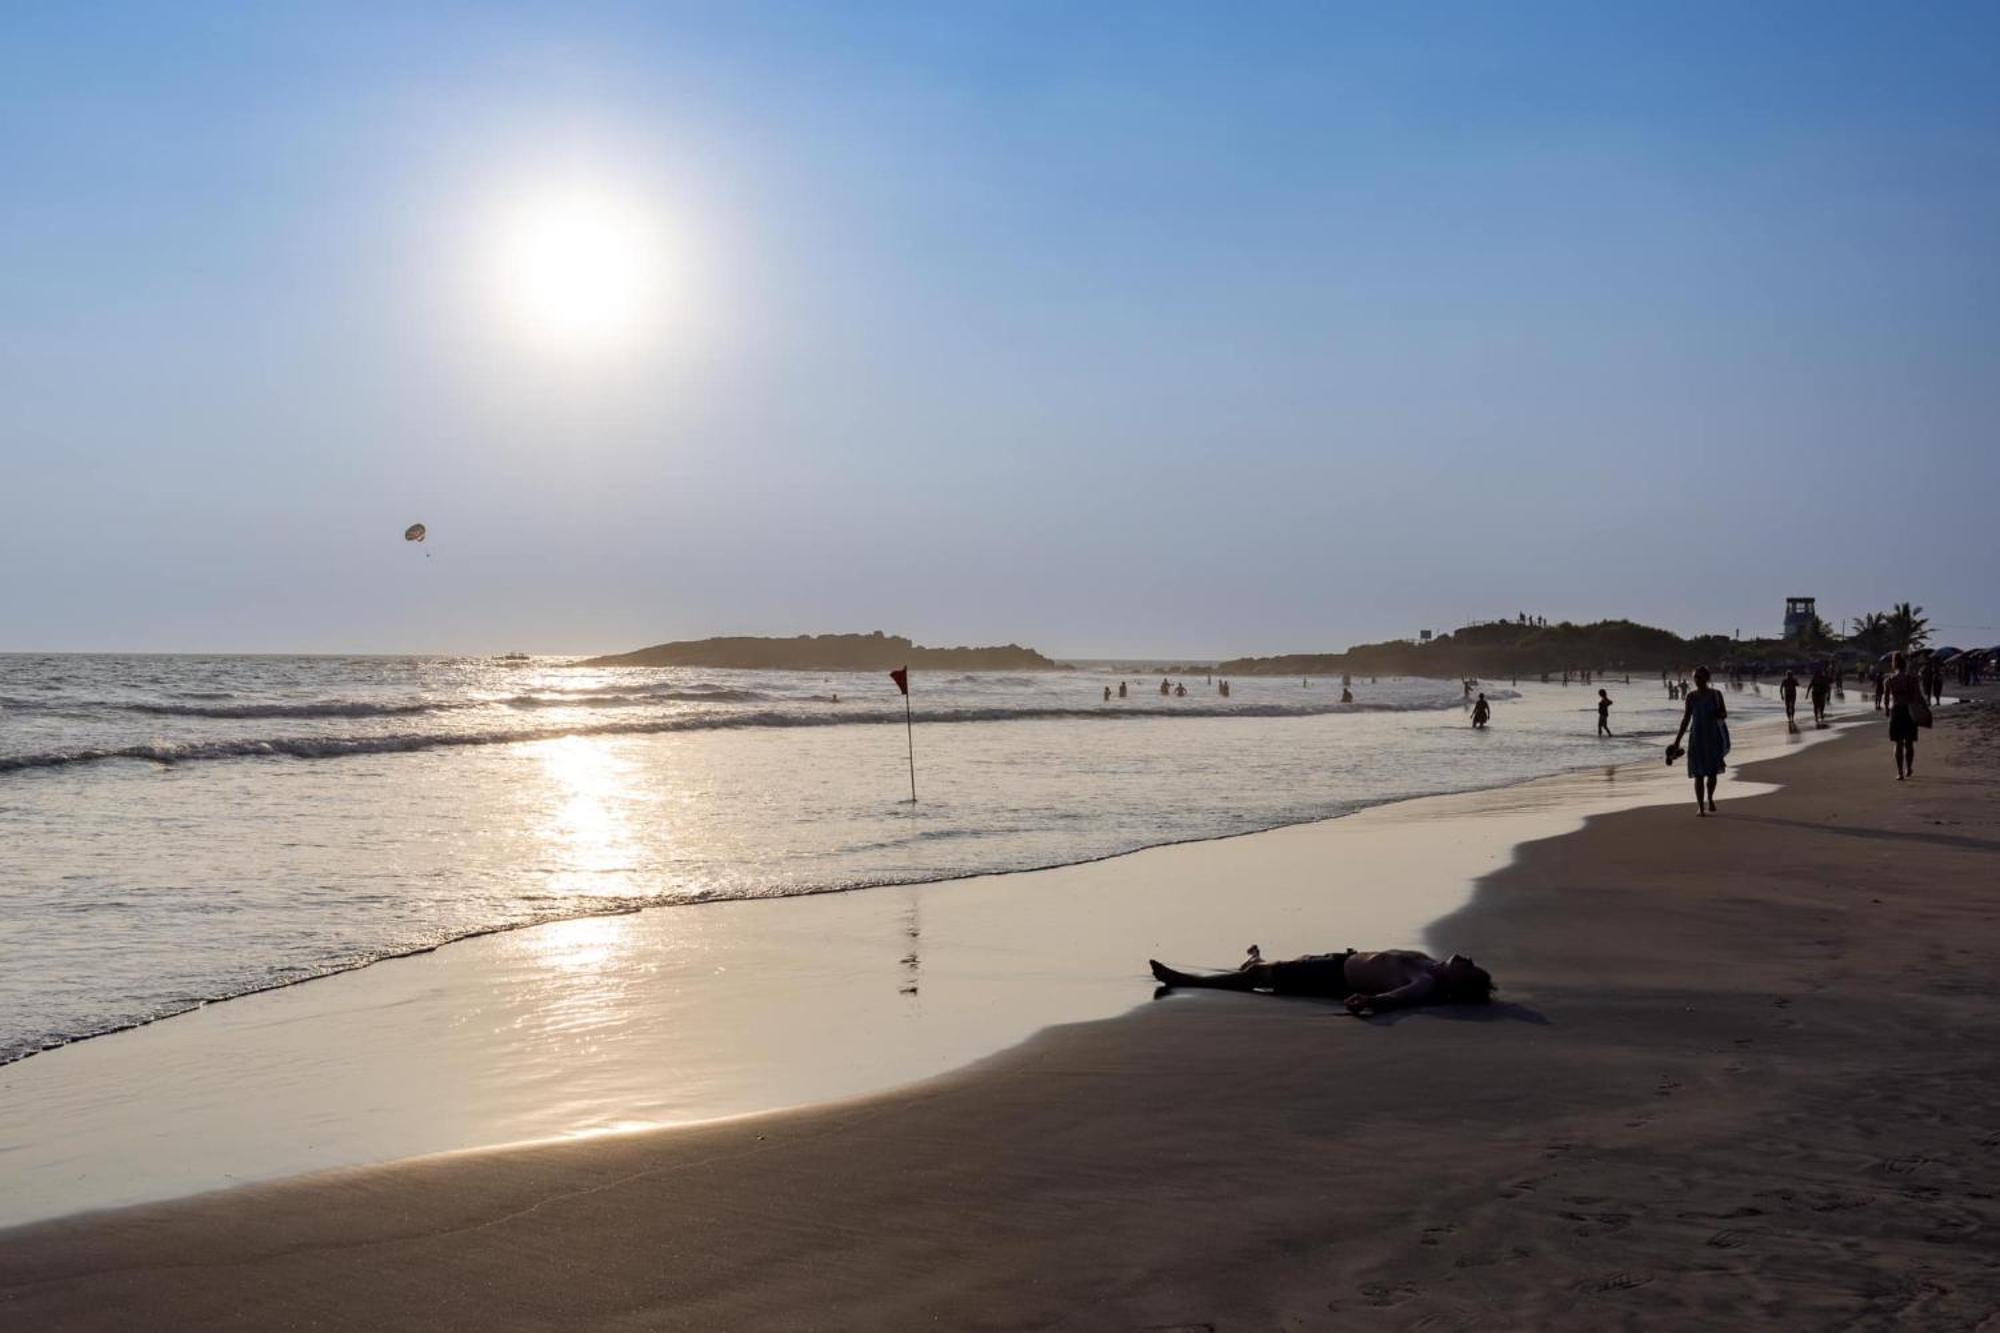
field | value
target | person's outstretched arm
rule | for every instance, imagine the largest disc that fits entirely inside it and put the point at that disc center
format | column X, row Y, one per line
column 1413, row 992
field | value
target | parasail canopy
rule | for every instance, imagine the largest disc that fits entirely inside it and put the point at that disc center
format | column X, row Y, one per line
column 414, row 533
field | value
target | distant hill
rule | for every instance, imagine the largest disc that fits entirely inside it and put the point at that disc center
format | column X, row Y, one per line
column 828, row 652
column 1505, row 648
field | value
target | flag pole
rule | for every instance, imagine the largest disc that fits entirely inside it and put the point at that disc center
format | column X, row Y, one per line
column 910, row 738
column 901, row 675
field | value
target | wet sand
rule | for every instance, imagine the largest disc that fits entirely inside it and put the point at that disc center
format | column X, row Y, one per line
column 1743, row 1077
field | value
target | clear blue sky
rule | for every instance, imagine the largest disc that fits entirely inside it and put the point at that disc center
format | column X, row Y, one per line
column 1107, row 328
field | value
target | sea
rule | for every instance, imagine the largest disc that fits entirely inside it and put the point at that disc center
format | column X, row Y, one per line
column 183, row 829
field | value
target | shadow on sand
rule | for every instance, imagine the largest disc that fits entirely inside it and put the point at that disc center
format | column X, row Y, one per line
column 1500, row 1011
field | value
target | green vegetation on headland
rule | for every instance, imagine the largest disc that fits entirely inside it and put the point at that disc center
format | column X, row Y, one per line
column 829, row 652
column 1525, row 647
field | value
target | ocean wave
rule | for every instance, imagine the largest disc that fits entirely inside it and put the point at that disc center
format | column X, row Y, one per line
column 633, row 698
column 328, row 708
column 335, row 747
column 365, row 708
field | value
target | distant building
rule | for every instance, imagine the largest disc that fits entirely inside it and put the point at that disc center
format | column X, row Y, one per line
column 1423, row 636
column 1800, row 617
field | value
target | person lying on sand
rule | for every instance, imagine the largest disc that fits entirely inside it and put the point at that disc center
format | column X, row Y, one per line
column 1367, row 982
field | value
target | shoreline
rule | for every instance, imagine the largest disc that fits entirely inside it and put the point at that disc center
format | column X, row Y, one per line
column 508, row 1038
column 1693, row 1107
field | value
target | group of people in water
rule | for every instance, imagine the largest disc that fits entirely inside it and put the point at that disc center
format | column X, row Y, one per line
column 1178, row 690
column 1169, row 688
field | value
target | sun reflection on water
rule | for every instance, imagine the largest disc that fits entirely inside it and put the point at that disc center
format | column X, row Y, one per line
column 586, row 823
column 580, row 944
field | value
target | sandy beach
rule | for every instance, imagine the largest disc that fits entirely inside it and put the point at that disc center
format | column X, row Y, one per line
column 1741, row 1077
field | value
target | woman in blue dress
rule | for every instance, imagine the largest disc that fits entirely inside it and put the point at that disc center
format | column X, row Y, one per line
column 1704, row 724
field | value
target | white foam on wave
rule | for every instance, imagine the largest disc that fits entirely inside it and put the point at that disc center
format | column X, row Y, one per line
column 334, row 747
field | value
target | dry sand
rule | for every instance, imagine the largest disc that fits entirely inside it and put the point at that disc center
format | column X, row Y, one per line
column 1746, row 1077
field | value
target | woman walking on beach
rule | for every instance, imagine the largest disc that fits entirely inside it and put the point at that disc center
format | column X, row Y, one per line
column 1900, row 691
column 1703, row 725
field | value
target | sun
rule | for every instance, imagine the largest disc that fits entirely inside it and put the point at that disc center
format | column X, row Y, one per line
column 580, row 267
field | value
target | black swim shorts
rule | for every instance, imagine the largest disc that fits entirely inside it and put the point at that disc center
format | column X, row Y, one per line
column 1315, row 974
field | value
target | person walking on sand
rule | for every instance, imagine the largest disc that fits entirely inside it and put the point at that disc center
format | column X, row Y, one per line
column 1704, row 725
column 1481, row 711
column 1788, row 690
column 1603, row 713
column 1818, row 689
column 1364, row 982
column 1903, row 693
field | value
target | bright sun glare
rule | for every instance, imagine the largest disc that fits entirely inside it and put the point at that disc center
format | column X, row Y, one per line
column 581, row 268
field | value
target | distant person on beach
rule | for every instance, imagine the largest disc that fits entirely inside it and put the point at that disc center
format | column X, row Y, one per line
column 1704, row 726
column 1788, row 690
column 1180, row 691
column 1818, row 689
column 1481, row 711
column 1121, row 689
column 1346, row 695
column 1900, row 690
column 1107, row 694
column 1365, row 982
column 1165, row 689
column 1933, row 681
column 1878, row 683
column 1603, row 713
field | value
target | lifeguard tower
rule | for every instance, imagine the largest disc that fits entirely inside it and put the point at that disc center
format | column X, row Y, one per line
column 1800, row 616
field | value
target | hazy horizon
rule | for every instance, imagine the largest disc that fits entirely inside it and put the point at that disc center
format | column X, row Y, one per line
column 1096, row 330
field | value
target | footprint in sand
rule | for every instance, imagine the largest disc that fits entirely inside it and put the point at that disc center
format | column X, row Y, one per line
column 1611, row 1282
column 1383, row 1294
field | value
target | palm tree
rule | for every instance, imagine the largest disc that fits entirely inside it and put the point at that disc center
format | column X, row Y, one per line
column 1906, row 627
column 1870, row 632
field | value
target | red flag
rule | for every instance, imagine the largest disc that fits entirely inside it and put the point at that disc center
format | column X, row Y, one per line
column 901, row 675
